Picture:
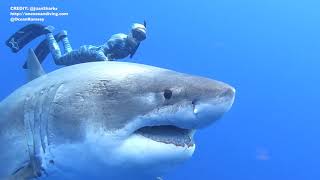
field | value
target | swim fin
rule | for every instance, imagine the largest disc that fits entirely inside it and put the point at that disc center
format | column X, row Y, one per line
column 24, row 35
column 43, row 49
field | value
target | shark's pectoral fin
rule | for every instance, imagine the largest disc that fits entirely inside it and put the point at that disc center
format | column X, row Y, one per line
column 35, row 69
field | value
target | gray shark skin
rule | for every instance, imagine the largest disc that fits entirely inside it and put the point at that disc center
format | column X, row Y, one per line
column 106, row 120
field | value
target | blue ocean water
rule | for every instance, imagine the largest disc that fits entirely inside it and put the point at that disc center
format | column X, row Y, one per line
column 269, row 50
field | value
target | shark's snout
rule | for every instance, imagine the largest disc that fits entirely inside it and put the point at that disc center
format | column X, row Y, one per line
column 210, row 109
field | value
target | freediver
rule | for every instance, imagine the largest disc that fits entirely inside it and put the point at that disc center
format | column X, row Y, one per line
column 117, row 47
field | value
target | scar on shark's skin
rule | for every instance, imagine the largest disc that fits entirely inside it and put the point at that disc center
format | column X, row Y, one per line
column 124, row 119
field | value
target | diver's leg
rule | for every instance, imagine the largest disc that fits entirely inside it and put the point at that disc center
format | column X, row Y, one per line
column 43, row 49
column 65, row 41
column 54, row 48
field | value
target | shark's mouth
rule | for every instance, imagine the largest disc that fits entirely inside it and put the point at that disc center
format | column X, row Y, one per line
column 168, row 134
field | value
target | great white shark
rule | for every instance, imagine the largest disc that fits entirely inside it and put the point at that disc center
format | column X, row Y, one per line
column 105, row 120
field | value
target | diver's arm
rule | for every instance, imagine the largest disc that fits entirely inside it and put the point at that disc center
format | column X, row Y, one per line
column 102, row 53
column 134, row 50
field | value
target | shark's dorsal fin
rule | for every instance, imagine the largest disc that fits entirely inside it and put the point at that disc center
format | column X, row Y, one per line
column 35, row 69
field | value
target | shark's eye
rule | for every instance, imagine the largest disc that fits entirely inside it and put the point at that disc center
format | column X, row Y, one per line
column 167, row 94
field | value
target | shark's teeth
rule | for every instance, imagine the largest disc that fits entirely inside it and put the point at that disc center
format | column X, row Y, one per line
column 168, row 135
